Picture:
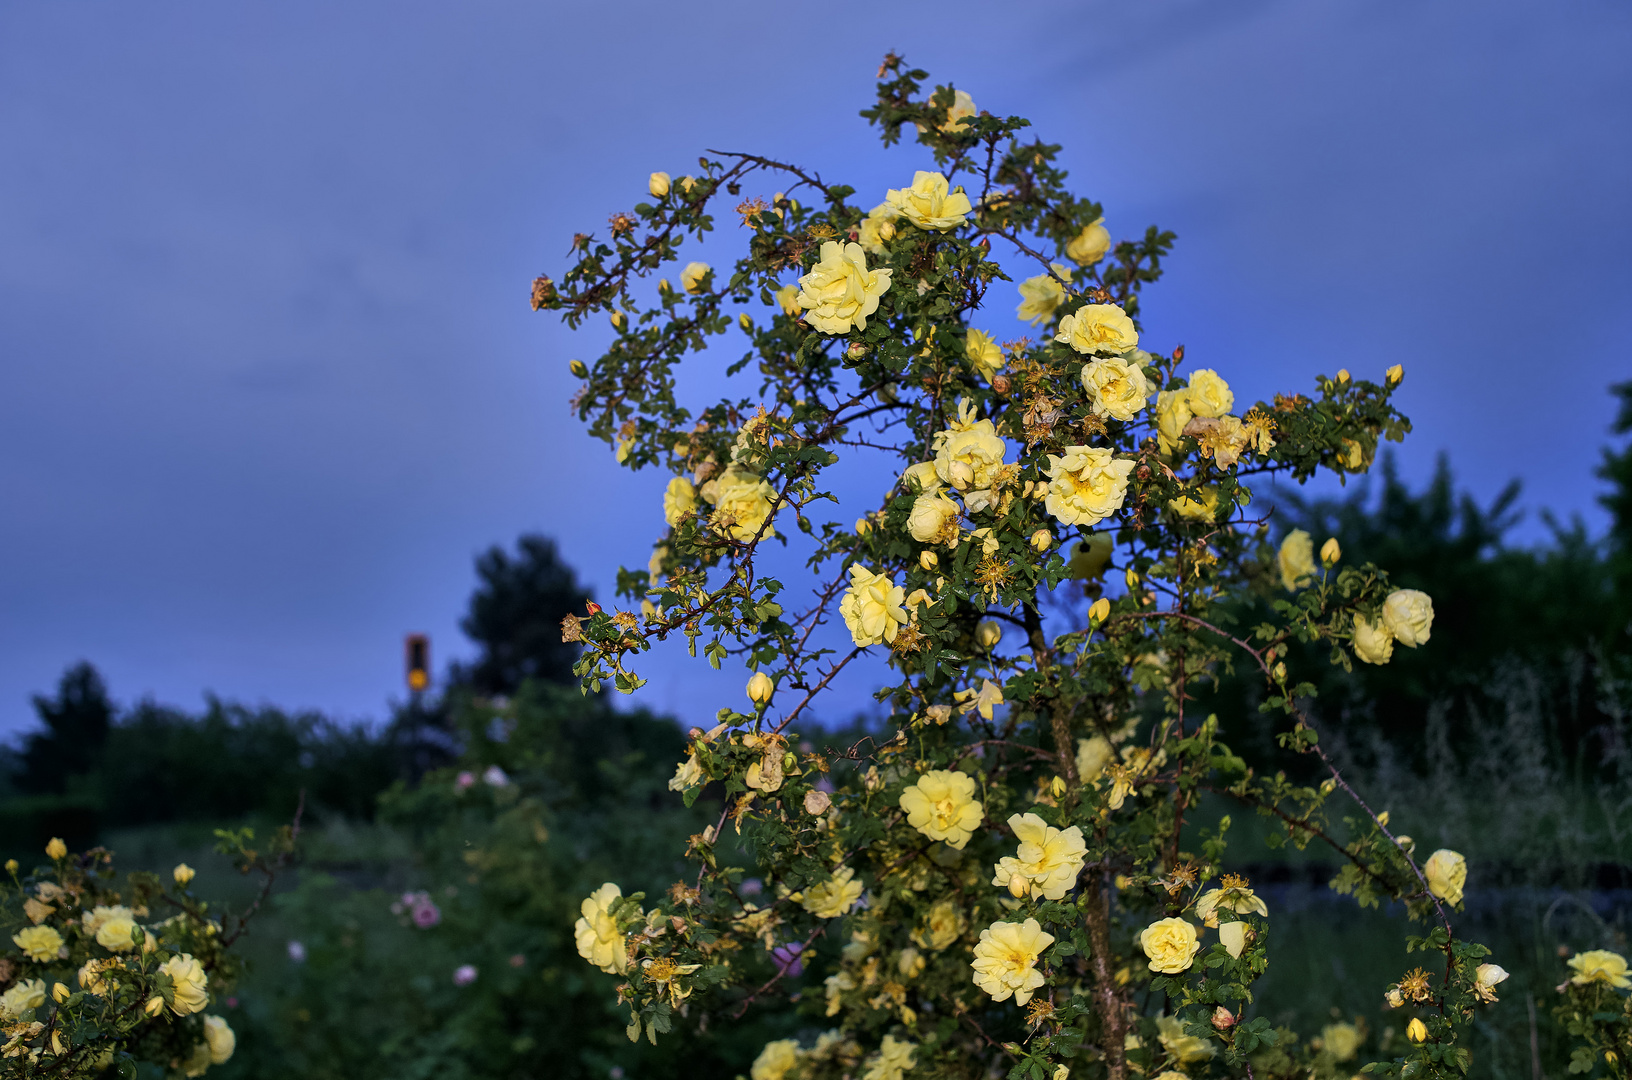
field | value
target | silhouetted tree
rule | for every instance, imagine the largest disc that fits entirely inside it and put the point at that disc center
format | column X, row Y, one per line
column 76, row 726
column 515, row 617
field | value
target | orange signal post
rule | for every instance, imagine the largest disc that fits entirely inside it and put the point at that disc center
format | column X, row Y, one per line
column 417, row 648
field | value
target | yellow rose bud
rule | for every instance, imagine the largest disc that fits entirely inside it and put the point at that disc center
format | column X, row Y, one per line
column 1416, row 1030
column 658, row 185
column 1041, row 540
column 863, row 526
column 691, row 278
column 183, row 874
column 1100, row 611
column 1057, row 787
column 1342, row 375
column 1132, row 578
column 1382, row 819
column 154, row 1006
column 617, row 320
column 579, row 369
column 745, row 322
column 988, row 633
column 1330, row 552
column 60, row 992
column 760, row 688
column 56, row 849
column 11, row 866
column 1395, row 375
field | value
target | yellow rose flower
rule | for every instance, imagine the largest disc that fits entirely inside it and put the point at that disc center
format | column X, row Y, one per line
column 833, row 897
column 1233, row 936
column 967, row 457
column 774, row 1062
column 1208, row 394
column 934, row 519
column 92, row 976
column 1042, row 295
column 1093, row 754
column 877, row 228
column 1297, row 560
column 1172, row 414
column 1098, row 328
column 893, row 1059
column 183, row 874
column 658, row 185
column 942, row 806
column 1372, row 641
column 1115, row 387
column 27, row 994
column 1006, row 959
column 114, row 933
column 988, row 634
column 1170, row 944
column 679, row 501
column 691, row 278
column 787, row 297
column 760, row 688
column 942, row 926
column 910, row 963
column 1342, row 1041
column 872, row 607
column 923, row 475
column 1330, row 552
column 1185, row 1049
column 1235, row 896
column 1090, row 244
column 1486, row 977
column 1409, row 616
column 928, row 204
column 742, row 503
column 1446, row 872
column 1204, row 508
column 687, row 775
column 38, row 942
column 1047, row 862
column 1087, row 484
column 1599, row 966
column 596, row 933
column 839, row 291
column 56, row 849
column 983, row 352
column 963, row 107
column 191, row 984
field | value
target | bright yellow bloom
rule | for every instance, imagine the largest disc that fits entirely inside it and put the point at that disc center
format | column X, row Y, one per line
column 1115, row 387
column 114, row 933
column 1409, row 616
column 1172, row 414
column 56, row 849
column 967, row 456
column 1342, row 1041
column 942, row 926
column 1171, row 945
column 38, row 942
column 688, row 774
column 1204, row 508
column 760, row 688
column 1394, row 375
column 1093, row 754
column 872, row 607
column 1486, row 977
column 1416, row 1030
column 1297, row 560
column 1236, row 896
column 774, row 1062
column 922, row 474
column 877, row 228
column 787, row 297
column 191, row 984
column 1098, row 328
column 963, row 107
column 1372, row 641
column 833, row 897
column 1042, row 295
column 1446, row 872
column 1090, row 244
column 1006, row 959
column 942, row 806
column 1209, row 395
column 1087, row 484
column 983, row 701
column 658, row 185
column 1599, row 966
column 691, row 278
column 183, row 874
column 983, row 352
column 1047, row 862
column 1185, row 1049
column 1330, row 552
column 928, row 203
column 934, row 519
column 27, row 994
column 679, row 500
column 894, row 1058
column 839, row 291
column 596, row 932
column 742, row 503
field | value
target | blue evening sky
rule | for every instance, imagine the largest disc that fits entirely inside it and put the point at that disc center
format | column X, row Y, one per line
column 269, row 381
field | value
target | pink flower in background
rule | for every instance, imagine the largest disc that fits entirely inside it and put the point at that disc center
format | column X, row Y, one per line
column 422, row 910
column 464, row 780
column 464, row 975
column 517, row 960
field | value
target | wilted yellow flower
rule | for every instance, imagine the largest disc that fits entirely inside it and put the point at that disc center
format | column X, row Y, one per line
column 928, row 204
column 1006, row 959
column 658, row 185
column 1330, row 552
column 1342, row 1041
column 191, row 984
column 872, row 607
column 742, row 503
column 1372, row 641
column 760, row 688
column 774, row 1062
column 934, row 518
column 1235, row 896
column 1042, row 295
column 1409, row 616
column 27, row 994
column 1090, row 244
column 56, row 849
column 787, row 297
column 1223, row 438
column 983, row 352
column 1233, row 936
column 596, row 932
column 942, row 806
column 833, row 897
column 1446, row 872
column 1416, row 1030
column 183, row 874
column 92, row 978
column 1095, row 328
column 1296, row 559
column 1087, row 484
column 983, row 701
column 1171, row 945
column 1599, row 966
column 1186, row 1049
column 840, row 292
column 1115, row 387
column 679, row 500
column 1208, row 394
column 114, row 933
column 1486, row 977
column 1047, row 862
column 38, row 942
column 691, row 278
column 942, row 926
column 1093, row 754
column 688, row 774
column 893, row 1059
